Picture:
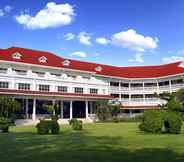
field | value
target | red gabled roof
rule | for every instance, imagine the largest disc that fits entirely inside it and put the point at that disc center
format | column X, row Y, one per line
column 31, row 57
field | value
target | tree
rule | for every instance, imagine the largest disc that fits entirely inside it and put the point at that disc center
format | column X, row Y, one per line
column 103, row 111
column 52, row 110
column 174, row 101
column 107, row 111
column 8, row 106
column 114, row 110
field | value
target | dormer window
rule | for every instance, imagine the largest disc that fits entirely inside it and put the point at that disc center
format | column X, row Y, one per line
column 42, row 59
column 98, row 68
column 66, row 62
column 16, row 55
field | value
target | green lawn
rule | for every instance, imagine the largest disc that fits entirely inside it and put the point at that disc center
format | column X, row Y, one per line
column 109, row 142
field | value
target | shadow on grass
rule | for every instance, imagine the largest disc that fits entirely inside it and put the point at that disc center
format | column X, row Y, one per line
column 71, row 146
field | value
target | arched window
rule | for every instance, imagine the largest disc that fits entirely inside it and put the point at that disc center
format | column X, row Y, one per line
column 66, row 62
column 42, row 59
column 16, row 55
column 98, row 68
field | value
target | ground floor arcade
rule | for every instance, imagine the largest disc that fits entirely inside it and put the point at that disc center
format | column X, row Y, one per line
column 34, row 108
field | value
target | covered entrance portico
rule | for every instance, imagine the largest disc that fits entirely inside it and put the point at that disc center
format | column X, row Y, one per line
column 66, row 109
column 34, row 108
column 69, row 106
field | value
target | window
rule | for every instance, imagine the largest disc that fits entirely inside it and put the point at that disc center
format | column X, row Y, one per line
column 20, row 72
column 3, row 70
column 24, row 86
column 71, row 76
column 40, row 74
column 98, row 68
column 78, row 90
column 16, row 55
column 62, row 88
column 66, row 62
column 43, row 87
column 116, row 84
column 163, row 83
column 56, row 74
column 93, row 91
column 42, row 59
column 87, row 78
column 124, row 85
column 4, row 84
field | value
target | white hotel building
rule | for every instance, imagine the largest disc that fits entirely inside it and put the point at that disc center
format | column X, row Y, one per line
column 35, row 78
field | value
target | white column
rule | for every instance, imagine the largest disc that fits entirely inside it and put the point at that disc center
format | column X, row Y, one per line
column 34, row 109
column 61, row 108
column 71, row 109
column 129, row 99
column 119, row 91
column 170, row 88
column 157, row 87
column 27, row 107
column 86, row 108
column 144, row 99
column 158, row 92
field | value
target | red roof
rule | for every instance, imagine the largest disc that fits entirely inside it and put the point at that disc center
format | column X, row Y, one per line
column 31, row 56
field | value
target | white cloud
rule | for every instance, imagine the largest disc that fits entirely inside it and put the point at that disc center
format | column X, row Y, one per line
column 84, row 38
column 102, row 41
column 138, row 58
column 5, row 10
column 8, row 8
column 134, row 41
column 53, row 15
column 79, row 54
column 69, row 36
column 1, row 13
column 172, row 59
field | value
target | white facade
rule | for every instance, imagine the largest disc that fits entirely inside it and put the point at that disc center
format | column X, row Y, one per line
column 31, row 82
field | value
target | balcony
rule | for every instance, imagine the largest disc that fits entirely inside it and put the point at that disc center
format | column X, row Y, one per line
column 175, row 87
column 141, row 101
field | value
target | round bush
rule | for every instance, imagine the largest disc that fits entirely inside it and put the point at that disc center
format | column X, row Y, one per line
column 152, row 121
column 172, row 122
column 43, row 127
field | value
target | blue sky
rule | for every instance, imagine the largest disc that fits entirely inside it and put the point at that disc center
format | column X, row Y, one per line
column 115, row 32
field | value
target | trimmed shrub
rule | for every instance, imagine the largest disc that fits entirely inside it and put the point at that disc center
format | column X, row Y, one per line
column 48, row 125
column 158, row 121
column 55, row 127
column 5, row 123
column 172, row 122
column 76, row 124
column 152, row 121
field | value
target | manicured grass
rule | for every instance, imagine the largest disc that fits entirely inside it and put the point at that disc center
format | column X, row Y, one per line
column 109, row 142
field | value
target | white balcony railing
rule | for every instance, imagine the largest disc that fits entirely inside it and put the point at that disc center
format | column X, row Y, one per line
column 142, row 101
